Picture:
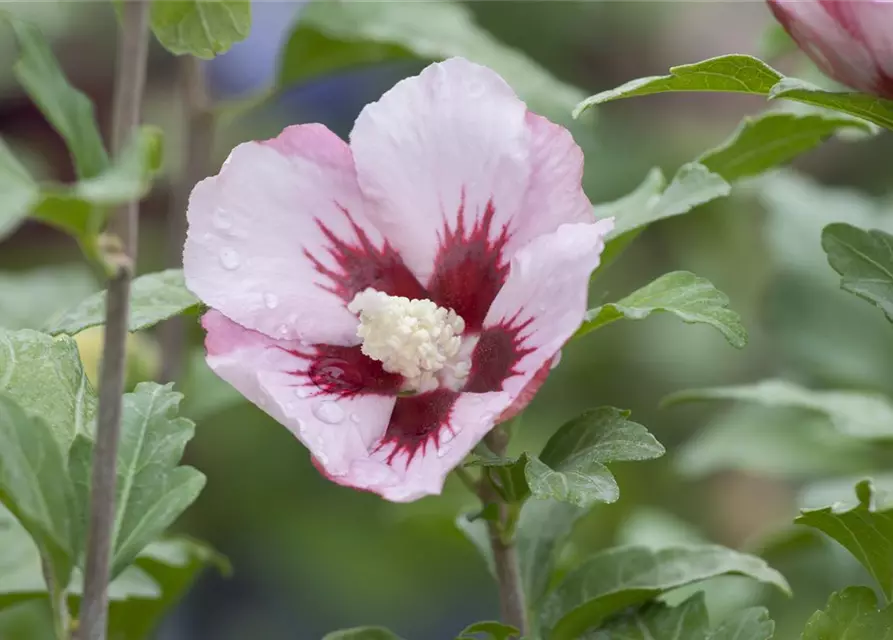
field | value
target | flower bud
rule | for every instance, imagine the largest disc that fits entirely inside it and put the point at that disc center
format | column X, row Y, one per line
column 850, row 40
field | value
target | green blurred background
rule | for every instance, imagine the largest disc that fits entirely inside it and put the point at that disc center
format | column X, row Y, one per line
column 310, row 556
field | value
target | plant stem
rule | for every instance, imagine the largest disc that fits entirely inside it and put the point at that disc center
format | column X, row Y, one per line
column 198, row 141
column 513, row 608
column 58, row 602
column 133, row 45
column 467, row 479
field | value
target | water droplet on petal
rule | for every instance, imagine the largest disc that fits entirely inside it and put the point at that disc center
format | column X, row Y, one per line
column 329, row 412
column 229, row 259
column 475, row 89
column 283, row 329
column 222, row 220
column 301, row 426
column 271, row 301
column 355, row 418
column 323, row 458
column 556, row 360
column 446, row 436
column 301, row 392
column 443, row 451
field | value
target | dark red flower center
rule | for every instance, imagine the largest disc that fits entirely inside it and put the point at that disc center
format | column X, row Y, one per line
column 470, row 268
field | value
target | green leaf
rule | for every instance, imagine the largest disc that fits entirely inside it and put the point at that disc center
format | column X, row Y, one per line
column 81, row 209
column 571, row 467
column 622, row 577
column 688, row 621
column 750, row 624
column 860, row 105
column 153, row 297
column 745, row 74
column 337, row 36
column 20, row 574
column 67, row 109
column 28, row 298
column 152, row 490
column 507, row 475
column 851, row 614
column 201, row 28
column 654, row 200
column 34, row 486
column 838, row 491
column 854, row 413
column 130, row 176
column 44, row 375
column 864, row 530
column 144, row 589
column 173, row 564
column 781, row 443
column 732, row 73
column 493, row 630
column 362, row 633
column 692, row 186
column 766, row 141
column 541, row 533
column 19, row 190
column 864, row 259
column 692, row 299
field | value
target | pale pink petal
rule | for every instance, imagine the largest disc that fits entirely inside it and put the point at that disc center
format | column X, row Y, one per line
column 541, row 305
column 337, row 430
column 401, row 479
column 452, row 138
column 555, row 192
column 279, row 240
column 459, row 175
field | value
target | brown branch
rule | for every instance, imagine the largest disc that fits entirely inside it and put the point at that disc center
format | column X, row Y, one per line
column 133, row 44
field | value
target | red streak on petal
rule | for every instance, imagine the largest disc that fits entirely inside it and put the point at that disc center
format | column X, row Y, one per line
column 344, row 372
column 364, row 265
column 416, row 421
column 496, row 355
column 527, row 393
column 469, row 269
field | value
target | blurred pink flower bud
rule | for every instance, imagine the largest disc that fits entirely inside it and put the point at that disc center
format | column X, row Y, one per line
column 850, row 40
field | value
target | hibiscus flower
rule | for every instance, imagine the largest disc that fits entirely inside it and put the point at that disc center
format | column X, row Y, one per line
column 391, row 300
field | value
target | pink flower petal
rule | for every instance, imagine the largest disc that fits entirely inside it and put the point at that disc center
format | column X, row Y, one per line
column 279, row 240
column 542, row 304
column 338, row 428
column 455, row 424
column 555, row 192
column 871, row 22
column 454, row 134
column 830, row 33
column 460, row 176
column 400, row 448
